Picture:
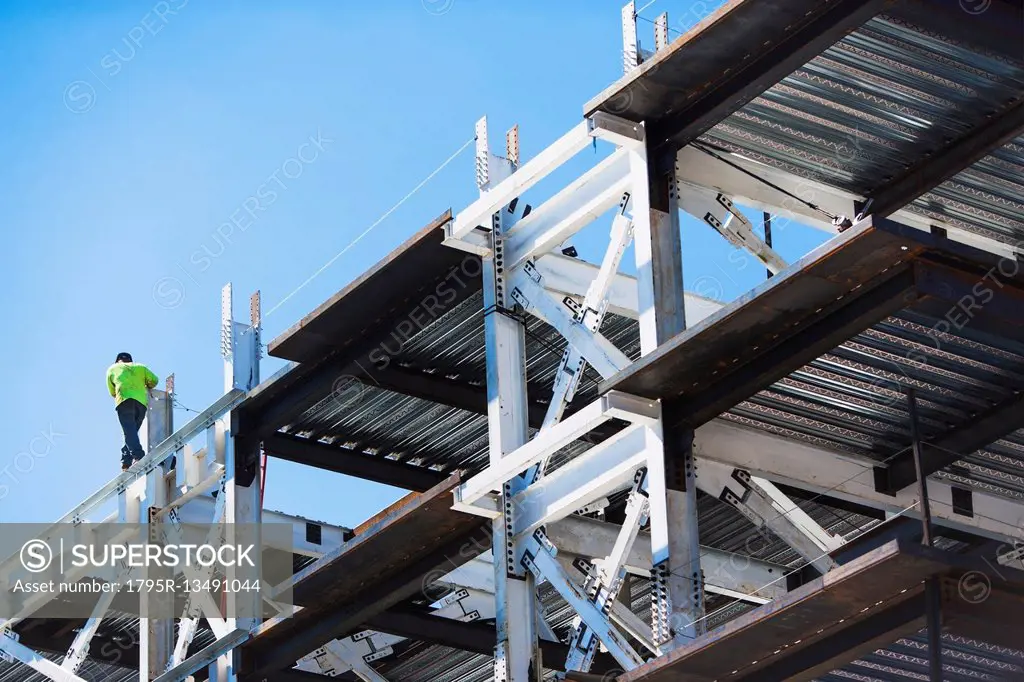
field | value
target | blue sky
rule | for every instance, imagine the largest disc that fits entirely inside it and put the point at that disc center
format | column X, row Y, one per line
column 134, row 130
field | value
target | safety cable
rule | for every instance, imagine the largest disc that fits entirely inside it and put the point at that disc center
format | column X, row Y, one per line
column 177, row 403
column 814, row 207
column 368, row 230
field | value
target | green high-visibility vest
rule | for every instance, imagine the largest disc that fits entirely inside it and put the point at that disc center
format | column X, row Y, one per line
column 130, row 380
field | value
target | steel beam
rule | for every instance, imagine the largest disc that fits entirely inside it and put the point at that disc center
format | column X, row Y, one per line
column 269, row 651
column 529, row 292
column 220, row 648
column 604, row 468
column 946, row 449
column 799, row 464
column 603, row 584
column 565, row 276
column 540, row 560
column 820, row 336
column 784, row 198
column 724, row 573
column 591, row 313
column 767, row 507
column 15, row 650
column 678, row 598
column 716, row 210
column 516, row 655
column 737, row 86
column 834, row 651
column 351, row 462
column 958, row 154
column 156, row 456
column 997, row 29
column 567, row 212
column 609, row 406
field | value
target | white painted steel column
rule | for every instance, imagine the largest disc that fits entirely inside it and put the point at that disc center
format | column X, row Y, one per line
column 156, row 635
column 517, row 655
column 240, row 346
column 678, row 607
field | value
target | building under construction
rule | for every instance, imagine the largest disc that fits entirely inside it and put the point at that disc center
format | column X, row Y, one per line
column 611, row 478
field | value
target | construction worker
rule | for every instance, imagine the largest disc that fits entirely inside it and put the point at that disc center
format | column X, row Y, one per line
column 129, row 383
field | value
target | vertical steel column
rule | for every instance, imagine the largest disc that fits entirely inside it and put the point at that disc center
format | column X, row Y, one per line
column 517, row 654
column 240, row 347
column 768, row 235
column 933, row 594
column 156, row 635
column 677, row 615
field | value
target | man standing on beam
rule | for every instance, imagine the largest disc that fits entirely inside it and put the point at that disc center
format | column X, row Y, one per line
column 129, row 383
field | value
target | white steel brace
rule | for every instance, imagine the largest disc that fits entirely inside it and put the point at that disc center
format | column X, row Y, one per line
column 528, row 291
column 590, row 314
column 717, row 210
column 847, row 477
column 517, row 655
column 565, row 276
column 338, row 656
column 13, row 650
column 601, row 470
column 79, row 649
column 767, row 507
column 581, row 202
column 612, row 405
column 539, row 559
column 733, row 575
column 602, row 587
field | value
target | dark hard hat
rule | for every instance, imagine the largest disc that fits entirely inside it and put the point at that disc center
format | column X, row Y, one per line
column 124, row 357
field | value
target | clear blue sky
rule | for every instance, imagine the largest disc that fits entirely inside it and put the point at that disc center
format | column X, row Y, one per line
column 129, row 137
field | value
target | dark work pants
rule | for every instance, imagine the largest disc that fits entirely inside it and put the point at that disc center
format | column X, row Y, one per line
column 131, row 413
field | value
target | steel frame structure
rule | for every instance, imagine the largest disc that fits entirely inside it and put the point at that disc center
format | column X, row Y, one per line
column 537, row 534
column 520, row 493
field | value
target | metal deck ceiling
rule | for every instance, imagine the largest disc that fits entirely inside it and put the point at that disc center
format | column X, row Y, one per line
column 856, row 116
column 430, row 434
